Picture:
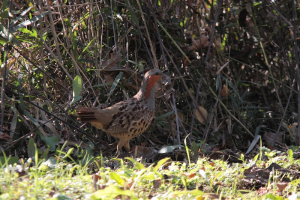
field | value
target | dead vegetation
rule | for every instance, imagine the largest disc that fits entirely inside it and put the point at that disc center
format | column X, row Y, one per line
column 233, row 67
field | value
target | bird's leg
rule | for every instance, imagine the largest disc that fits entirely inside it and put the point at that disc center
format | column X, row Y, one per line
column 122, row 143
column 127, row 146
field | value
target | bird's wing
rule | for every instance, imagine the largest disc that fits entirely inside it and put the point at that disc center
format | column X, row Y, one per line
column 124, row 120
column 131, row 119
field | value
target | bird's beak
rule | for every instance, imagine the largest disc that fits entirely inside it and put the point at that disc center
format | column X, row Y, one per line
column 166, row 80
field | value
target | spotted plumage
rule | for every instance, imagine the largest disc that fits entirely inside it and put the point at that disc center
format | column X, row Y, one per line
column 126, row 119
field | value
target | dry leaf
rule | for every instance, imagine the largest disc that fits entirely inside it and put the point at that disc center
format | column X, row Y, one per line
column 4, row 136
column 212, row 196
column 7, row 67
column 95, row 178
column 225, row 92
column 281, row 186
column 192, row 175
column 273, row 138
column 199, row 44
column 146, row 152
column 202, row 117
column 156, row 184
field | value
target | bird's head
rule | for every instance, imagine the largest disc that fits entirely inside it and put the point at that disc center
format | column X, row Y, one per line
column 149, row 84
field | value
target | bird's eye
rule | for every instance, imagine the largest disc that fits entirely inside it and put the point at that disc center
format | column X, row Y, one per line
column 156, row 73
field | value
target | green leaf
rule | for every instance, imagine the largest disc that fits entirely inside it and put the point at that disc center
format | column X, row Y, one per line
column 111, row 192
column 77, row 87
column 25, row 30
column 270, row 196
column 59, row 196
column 51, row 141
column 194, row 193
column 34, row 33
column 187, row 149
column 115, row 83
column 85, row 16
column 4, row 14
column 45, row 154
column 164, row 116
column 3, row 41
column 256, row 4
column 28, row 22
column 21, row 15
column 31, row 148
column 290, row 155
column 140, row 65
column 138, row 165
column 7, row 37
column 86, row 48
column 74, row 38
column 195, row 150
column 160, row 163
column 255, row 157
column 4, row 5
column 9, row 161
column 70, row 151
column 28, row 114
column 149, row 177
column 117, row 178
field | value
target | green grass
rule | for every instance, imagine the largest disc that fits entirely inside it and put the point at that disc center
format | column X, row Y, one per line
column 42, row 182
column 133, row 179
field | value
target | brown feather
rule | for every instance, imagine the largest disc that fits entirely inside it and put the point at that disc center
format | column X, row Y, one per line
column 127, row 119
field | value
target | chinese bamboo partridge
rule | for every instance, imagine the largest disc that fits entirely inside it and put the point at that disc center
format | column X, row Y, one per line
column 126, row 119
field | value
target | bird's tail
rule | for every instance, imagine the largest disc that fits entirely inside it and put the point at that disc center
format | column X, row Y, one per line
column 85, row 114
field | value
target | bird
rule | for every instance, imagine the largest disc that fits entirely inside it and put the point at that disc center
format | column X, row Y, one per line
column 129, row 118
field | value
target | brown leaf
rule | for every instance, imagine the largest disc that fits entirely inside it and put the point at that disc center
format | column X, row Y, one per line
column 272, row 138
column 202, row 117
column 281, row 186
column 112, row 68
column 4, row 136
column 95, row 178
column 192, row 175
column 2, row 70
column 156, row 184
column 225, row 92
column 145, row 152
column 199, row 44
column 257, row 177
column 262, row 191
column 113, row 63
column 218, row 43
column 212, row 196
